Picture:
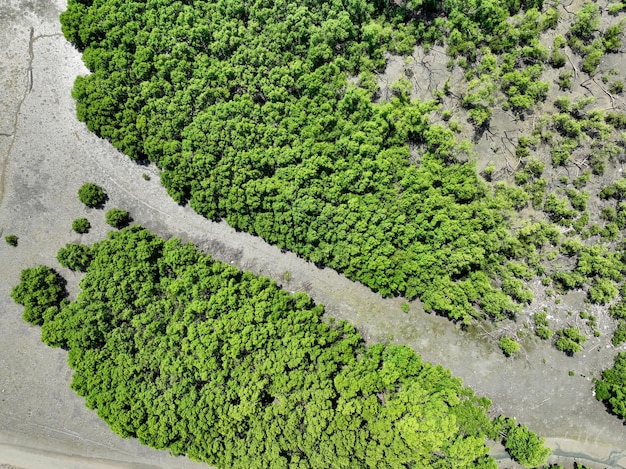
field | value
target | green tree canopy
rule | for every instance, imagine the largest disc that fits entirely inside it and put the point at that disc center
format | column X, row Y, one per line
column 193, row 355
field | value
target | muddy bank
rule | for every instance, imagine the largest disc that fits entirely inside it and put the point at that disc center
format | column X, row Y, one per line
column 45, row 155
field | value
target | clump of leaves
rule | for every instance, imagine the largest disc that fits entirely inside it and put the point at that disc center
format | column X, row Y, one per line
column 508, row 346
column 11, row 240
column 75, row 257
column 118, row 218
column 92, row 195
column 619, row 336
column 81, row 225
column 570, row 340
column 542, row 328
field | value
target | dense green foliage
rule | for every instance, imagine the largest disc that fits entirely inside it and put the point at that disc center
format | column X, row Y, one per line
column 81, row 225
column 523, row 445
column 611, row 389
column 40, row 291
column 75, row 257
column 248, row 112
column 570, row 340
column 11, row 240
column 92, row 195
column 192, row 355
column 508, row 346
column 117, row 217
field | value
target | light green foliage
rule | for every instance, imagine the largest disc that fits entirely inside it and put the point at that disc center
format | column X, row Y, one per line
column 603, row 291
column 508, row 346
column 75, row 257
column 570, row 340
column 191, row 355
column 92, row 195
column 542, row 328
column 612, row 37
column 117, row 218
column 558, row 209
column 593, row 56
column 578, row 199
column 40, row 288
column 11, row 240
column 611, row 389
column 586, row 23
column 81, row 225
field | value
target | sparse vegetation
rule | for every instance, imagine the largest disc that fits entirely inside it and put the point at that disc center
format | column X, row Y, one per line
column 11, row 240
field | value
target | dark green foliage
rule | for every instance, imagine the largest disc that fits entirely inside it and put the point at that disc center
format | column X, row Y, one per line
column 40, row 289
column 192, row 355
column 565, row 80
column 117, row 218
column 611, row 389
column 75, row 257
column 92, row 195
column 250, row 117
column 81, row 225
column 570, row 340
column 616, row 191
column 11, row 240
column 508, row 346
column 617, row 87
column 619, row 336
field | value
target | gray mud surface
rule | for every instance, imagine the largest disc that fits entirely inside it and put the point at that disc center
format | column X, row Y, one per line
column 46, row 155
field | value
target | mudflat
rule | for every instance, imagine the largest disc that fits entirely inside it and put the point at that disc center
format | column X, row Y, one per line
column 46, row 155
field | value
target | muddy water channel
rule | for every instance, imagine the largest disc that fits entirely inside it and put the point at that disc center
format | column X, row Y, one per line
column 45, row 155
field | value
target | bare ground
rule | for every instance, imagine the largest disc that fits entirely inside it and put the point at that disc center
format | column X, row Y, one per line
column 45, row 155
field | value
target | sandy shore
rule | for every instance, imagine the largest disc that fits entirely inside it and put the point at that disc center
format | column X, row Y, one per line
column 45, row 155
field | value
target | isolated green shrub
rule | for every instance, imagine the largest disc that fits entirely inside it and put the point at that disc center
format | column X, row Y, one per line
column 565, row 80
column 570, row 340
column 557, row 58
column 81, row 225
column 508, row 346
column 544, row 332
column 92, row 195
column 616, row 87
column 117, row 217
column 541, row 326
column 11, row 240
column 593, row 56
